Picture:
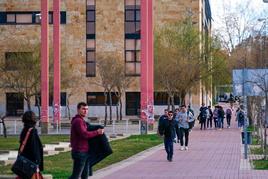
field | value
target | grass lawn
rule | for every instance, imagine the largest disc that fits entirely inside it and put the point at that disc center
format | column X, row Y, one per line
column 60, row 166
column 12, row 142
column 260, row 164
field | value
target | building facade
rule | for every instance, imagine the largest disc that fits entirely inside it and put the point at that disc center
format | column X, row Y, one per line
column 90, row 27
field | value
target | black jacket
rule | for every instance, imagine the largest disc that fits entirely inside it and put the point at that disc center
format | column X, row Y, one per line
column 33, row 149
column 168, row 128
column 99, row 146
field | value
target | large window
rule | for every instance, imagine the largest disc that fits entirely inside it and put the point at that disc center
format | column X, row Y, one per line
column 98, row 99
column 63, row 99
column 12, row 59
column 161, row 98
column 14, row 18
column 90, row 30
column 132, row 37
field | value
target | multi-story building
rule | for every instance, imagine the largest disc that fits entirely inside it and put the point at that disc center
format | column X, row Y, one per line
column 89, row 27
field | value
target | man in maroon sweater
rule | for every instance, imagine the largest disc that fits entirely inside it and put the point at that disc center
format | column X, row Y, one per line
column 79, row 143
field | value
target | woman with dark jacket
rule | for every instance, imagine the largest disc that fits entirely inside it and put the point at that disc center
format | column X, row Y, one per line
column 33, row 149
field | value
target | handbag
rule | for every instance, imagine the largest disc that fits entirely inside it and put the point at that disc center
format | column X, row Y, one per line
column 24, row 167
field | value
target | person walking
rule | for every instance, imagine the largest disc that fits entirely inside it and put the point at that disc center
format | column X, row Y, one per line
column 79, row 143
column 168, row 130
column 191, row 119
column 215, row 117
column 203, row 116
column 162, row 119
column 220, row 117
column 228, row 113
column 183, row 117
column 209, row 117
column 177, row 128
column 240, row 117
column 33, row 148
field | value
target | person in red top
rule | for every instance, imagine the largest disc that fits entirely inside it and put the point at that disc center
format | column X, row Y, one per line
column 79, row 142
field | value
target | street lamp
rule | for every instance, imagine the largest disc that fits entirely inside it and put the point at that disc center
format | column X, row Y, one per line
column 264, row 20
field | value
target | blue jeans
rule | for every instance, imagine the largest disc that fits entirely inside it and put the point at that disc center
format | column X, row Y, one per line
column 169, row 146
column 81, row 165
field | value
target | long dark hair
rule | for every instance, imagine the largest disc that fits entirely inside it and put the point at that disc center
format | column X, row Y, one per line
column 29, row 118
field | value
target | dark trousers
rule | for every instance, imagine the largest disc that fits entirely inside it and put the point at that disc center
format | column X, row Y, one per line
column 209, row 122
column 81, row 161
column 203, row 123
column 168, row 141
column 228, row 118
column 184, row 132
column 215, row 122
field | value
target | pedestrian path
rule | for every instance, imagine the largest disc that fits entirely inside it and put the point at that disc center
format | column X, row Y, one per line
column 212, row 154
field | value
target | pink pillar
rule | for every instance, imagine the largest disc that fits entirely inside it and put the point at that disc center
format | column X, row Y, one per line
column 146, row 80
column 44, row 61
column 56, row 47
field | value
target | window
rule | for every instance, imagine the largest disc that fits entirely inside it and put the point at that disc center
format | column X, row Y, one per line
column 132, row 37
column 161, row 98
column 12, row 59
column 132, row 56
column 90, row 30
column 98, row 99
column 63, row 99
column 27, row 17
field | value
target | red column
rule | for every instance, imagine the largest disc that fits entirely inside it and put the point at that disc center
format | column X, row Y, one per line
column 146, row 80
column 56, row 47
column 44, row 61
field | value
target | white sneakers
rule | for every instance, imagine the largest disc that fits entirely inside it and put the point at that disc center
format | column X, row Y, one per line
column 184, row 148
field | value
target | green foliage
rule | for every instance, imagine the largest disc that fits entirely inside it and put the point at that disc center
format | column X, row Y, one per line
column 260, row 164
column 12, row 142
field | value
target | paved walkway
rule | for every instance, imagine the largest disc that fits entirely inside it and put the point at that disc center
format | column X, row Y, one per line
column 212, row 154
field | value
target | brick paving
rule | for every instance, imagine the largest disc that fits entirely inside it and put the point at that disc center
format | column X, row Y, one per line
column 212, row 154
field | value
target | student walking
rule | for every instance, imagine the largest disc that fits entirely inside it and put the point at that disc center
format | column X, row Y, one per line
column 228, row 113
column 191, row 118
column 215, row 117
column 203, row 116
column 30, row 143
column 183, row 117
column 209, row 117
column 220, row 117
column 79, row 143
column 168, row 130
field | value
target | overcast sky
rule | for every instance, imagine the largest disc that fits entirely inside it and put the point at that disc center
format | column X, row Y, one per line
column 217, row 8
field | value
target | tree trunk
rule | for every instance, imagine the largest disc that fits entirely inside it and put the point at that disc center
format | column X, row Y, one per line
column 121, row 115
column 182, row 96
column 117, row 111
column 105, row 117
column 172, row 103
column 28, row 101
column 68, row 108
column 110, row 106
column 38, row 107
column 168, row 102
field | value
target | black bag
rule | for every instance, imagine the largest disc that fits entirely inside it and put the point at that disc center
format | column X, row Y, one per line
column 24, row 167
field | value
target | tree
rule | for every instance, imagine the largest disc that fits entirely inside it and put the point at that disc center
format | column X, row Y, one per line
column 20, row 71
column 107, row 68
column 179, row 62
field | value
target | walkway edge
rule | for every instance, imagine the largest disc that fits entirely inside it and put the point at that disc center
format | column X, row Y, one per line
column 124, row 163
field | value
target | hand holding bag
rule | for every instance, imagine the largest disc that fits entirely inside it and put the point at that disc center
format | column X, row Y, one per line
column 24, row 167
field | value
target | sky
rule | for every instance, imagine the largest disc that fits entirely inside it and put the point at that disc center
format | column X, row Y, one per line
column 217, row 8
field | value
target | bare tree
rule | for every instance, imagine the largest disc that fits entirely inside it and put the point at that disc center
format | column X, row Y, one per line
column 20, row 71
